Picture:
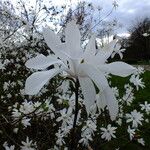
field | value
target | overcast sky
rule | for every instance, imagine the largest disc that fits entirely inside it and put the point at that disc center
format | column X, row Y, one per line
column 127, row 13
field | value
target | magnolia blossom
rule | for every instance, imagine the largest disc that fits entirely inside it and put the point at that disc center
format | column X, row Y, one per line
column 145, row 107
column 118, row 51
column 108, row 133
column 131, row 132
column 141, row 141
column 135, row 117
column 87, row 66
column 28, row 145
column 5, row 145
column 137, row 81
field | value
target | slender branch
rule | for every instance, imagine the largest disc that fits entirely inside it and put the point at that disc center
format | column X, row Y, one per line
column 73, row 144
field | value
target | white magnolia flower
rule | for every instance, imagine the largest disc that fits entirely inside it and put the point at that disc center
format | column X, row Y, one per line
column 145, row 107
column 85, row 138
column 131, row 132
column 128, row 97
column 60, row 138
column 135, row 117
column 97, row 59
column 26, row 107
column 108, row 133
column 141, row 141
column 140, row 70
column 146, row 34
column 118, row 51
column 70, row 58
column 26, row 121
column 28, row 145
column 137, row 81
column 5, row 145
column 66, row 116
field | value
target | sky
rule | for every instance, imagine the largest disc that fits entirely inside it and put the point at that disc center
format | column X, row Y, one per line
column 127, row 13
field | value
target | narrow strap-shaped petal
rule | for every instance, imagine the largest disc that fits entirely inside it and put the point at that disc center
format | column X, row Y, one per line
column 100, row 100
column 98, row 77
column 37, row 80
column 41, row 62
column 118, row 68
column 105, row 52
column 54, row 43
column 111, row 102
column 88, row 91
column 91, row 47
column 72, row 36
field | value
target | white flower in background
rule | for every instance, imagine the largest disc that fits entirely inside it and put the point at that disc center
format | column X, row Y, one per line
column 90, row 127
column 60, row 141
column 141, row 141
column 115, row 91
column 85, row 138
column 128, row 97
column 145, row 107
column 119, row 121
column 2, row 65
column 84, row 65
column 131, row 132
column 145, row 34
column 140, row 70
column 26, row 121
column 26, row 107
column 65, row 116
column 135, row 117
column 118, row 51
column 5, row 145
column 15, row 113
column 108, row 133
column 137, row 81
column 28, row 145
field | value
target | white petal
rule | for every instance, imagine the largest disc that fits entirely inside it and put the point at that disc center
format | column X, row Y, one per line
column 105, row 53
column 88, row 91
column 97, row 76
column 37, row 80
column 101, row 102
column 72, row 35
column 111, row 102
column 41, row 62
column 91, row 47
column 54, row 43
column 118, row 68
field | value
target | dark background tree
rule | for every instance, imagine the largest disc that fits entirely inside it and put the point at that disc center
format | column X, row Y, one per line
column 138, row 44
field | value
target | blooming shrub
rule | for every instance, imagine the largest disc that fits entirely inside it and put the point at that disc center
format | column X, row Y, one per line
column 68, row 99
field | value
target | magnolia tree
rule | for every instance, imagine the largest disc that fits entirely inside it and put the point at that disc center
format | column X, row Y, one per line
column 60, row 94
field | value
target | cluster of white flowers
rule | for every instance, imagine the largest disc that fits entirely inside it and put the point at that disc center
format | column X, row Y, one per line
column 28, row 145
column 108, row 133
column 27, row 109
column 87, row 132
column 128, row 97
column 96, row 95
